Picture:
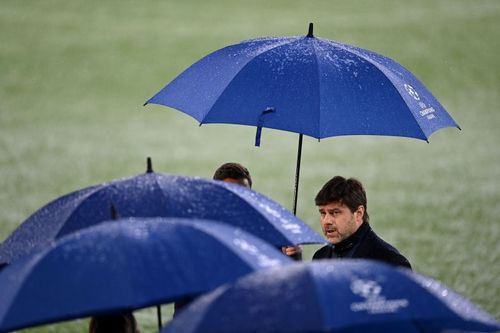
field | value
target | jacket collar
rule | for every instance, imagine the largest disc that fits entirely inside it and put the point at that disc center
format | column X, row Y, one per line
column 340, row 249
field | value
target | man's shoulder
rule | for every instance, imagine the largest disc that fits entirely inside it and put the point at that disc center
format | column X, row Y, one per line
column 375, row 241
column 374, row 247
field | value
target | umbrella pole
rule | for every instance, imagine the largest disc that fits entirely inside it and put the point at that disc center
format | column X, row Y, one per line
column 158, row 312
column 297, row 174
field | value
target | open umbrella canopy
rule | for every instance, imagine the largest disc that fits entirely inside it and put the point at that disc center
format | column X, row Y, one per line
column 155, row 194
column 126, row 265
column 308, row 85
column 344, row 296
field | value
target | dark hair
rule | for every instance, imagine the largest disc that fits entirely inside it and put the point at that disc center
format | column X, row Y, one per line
column 233, row 170
column 349, row 192
column 116, row 323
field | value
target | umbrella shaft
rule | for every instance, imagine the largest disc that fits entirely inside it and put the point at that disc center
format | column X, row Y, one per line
column 297, row 175
column 158, row 312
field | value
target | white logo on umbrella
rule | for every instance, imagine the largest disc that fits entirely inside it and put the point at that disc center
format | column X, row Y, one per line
column 412, row 92
column 366, row 288
column 375, row 302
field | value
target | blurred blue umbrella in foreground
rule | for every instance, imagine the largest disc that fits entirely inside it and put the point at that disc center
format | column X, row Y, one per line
column 344, row 296
column 307, row 85
column 126, row 265
column 155, row 194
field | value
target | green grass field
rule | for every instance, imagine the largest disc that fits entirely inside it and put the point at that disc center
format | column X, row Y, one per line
column 74, row 76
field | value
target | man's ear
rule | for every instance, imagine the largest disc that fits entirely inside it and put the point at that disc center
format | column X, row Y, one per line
column 360, row 213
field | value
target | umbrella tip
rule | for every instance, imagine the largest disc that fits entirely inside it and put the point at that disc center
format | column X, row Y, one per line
column 310, row 32
column 114, row 212
column 149, row 165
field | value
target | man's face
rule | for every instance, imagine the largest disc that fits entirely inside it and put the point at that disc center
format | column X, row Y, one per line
column 242, row 182
column 338, row 222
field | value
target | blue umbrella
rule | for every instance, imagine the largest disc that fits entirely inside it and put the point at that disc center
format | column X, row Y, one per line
column 307, row 85
column 126, row 265
column 344, row 296
column 155, row 194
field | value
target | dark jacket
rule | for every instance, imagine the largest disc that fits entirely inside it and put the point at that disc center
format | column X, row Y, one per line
column 363, row 244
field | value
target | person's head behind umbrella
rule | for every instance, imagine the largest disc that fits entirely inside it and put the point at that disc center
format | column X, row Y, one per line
column 117, row 323
column 230, row 172
column 233, row 173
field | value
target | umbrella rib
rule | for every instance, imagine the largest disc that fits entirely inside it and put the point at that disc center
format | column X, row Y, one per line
column 91, row 194
column 319, row 89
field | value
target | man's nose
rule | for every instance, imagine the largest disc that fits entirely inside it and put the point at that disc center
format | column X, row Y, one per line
column 328, row 219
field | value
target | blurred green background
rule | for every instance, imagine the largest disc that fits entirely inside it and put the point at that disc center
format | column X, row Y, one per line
column 74, row 76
